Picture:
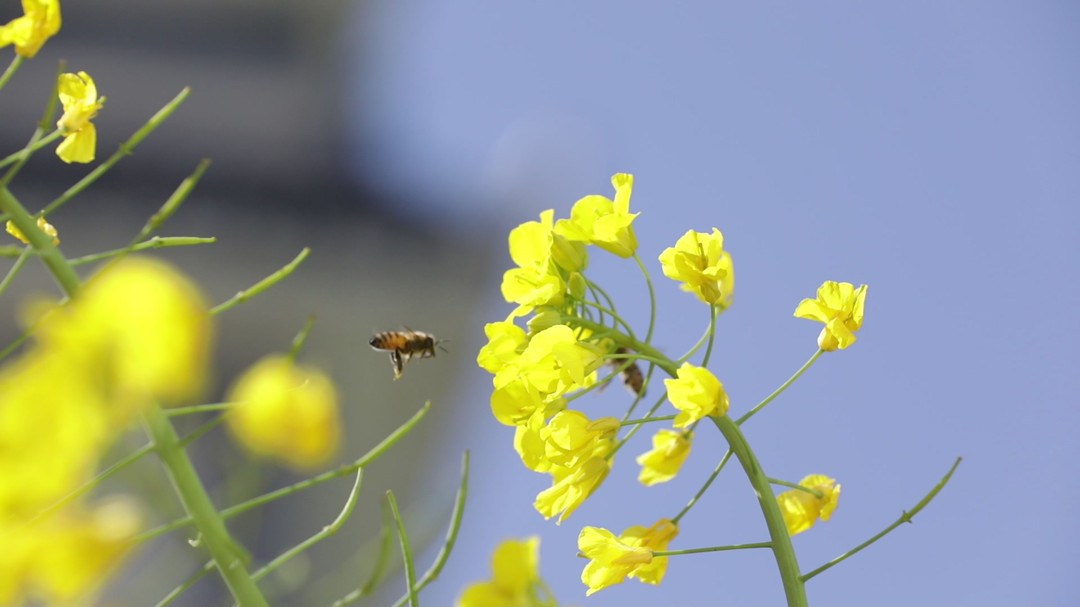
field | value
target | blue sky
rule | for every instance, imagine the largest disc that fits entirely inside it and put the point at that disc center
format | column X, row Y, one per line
column 930, row 150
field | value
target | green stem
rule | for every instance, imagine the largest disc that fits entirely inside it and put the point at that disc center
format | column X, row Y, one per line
column 36, row 145
column 784, row 553
column 10, row 71
column 905, row 517
column 646, row 350
column 178, row 411
column 652, row 297
column 712, row 335
column 324, row 533
column 188, row 583
column 645, row 420
column 777, row 391
column 712, row 549
column 704, row 487
column 796, row 486
column 124, row 149
column 364, row 460
column 31, row 146
column 406, row 552
column 262, row 285
column 60, row 269
column 156, row 242
column 301, row 337
column 15, row 267
column 228, row 556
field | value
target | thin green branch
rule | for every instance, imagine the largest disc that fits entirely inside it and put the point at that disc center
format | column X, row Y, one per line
column 11, row 69
column 905, row 517
column 713, row 549
column 406, row 552
column 177, row 198
column 262, row 285
column 645, row 420
column 777, row 391
column 156, row 242
column 301, row 337
column 178, row 411
column 364, row 460
column 124, row 149
column 32, row 145
column 188, row 583
column 704, row 487
column 324, row 533
column 384, row 552
column 652, row 297
column 451, row 532
column 15, row 267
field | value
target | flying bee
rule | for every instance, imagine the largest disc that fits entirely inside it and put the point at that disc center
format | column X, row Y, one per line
column 404, row 345
column 631, row 375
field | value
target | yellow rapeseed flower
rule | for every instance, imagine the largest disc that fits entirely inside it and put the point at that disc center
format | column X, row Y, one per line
column 40, row 20
column 604, row 222
column 285, row 411
column 505, row 343
column 696, row 393
column 630, row 554
column 699, row 261
column 840, row 306
column 515, row 578
column 78, row 94
column 662, row 462
column 42, row 225
column 571, row 486
column 556, row 361
column 801, row 508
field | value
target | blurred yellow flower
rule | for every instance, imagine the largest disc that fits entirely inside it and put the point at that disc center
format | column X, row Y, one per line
column 142, row 325
column 604, row 222
column 629, row 554
column 801, row 508
column 40, row 20
column 64, row 558
column 662, row 462
column 515, row 578
column 42, row 225
column 840, row 306
column 696, row 393
column 285, row 411
column 700, row 262
column 54, row 425
column 78, row 94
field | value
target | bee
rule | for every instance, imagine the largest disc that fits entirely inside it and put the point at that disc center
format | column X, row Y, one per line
column 631, row 376
column 404, row 345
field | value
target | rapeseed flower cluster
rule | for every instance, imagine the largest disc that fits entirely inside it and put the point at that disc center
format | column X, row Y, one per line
column 569, row 329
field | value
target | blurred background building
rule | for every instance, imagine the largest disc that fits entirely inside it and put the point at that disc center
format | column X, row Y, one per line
column 927, row 149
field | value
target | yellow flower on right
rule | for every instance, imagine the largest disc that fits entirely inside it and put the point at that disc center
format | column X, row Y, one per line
column 801, row 509
column 840, row 306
